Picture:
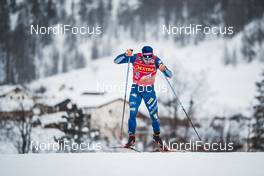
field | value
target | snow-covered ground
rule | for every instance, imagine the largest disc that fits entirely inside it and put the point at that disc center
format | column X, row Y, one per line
column 131, row 164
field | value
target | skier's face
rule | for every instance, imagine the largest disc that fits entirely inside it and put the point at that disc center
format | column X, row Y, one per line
column 147, row 58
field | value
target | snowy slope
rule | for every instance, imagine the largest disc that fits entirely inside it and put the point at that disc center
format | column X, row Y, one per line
column 225, row 89
column 230, row 89
column 131, row 164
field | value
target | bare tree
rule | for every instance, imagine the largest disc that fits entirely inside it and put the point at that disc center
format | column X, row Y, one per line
column 187, row 87
column 24, row 126
column 180, row 85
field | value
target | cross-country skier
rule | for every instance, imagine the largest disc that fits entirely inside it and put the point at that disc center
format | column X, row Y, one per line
column 145, row 67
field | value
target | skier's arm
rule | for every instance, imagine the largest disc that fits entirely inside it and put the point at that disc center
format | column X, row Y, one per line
column 123, row 58
column 159, row 64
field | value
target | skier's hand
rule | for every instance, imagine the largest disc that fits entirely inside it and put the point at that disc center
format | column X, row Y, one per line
column 162, row 67
column 146, row 79
column 129, row 52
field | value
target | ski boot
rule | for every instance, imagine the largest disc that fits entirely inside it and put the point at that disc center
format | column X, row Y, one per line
column 162, row 147
column 131, row 141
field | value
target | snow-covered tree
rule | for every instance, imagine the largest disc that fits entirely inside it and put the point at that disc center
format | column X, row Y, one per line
column 76, row 129
column 258, row 126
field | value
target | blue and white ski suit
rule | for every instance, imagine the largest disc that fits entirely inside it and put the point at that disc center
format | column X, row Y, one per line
column 139, row 92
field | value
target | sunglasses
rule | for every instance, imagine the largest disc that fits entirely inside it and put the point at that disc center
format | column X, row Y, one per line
column 147, row 56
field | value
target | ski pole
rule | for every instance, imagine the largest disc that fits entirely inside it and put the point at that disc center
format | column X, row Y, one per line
column 124, row 104
column 183, row 108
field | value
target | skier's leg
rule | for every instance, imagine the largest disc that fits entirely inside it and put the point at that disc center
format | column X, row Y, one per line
column 150, row 100
column 134, row 102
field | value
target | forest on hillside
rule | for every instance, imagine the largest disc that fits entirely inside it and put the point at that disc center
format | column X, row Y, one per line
column 26, row 57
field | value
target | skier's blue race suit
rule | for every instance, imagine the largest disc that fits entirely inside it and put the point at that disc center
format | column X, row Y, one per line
column 145, row 91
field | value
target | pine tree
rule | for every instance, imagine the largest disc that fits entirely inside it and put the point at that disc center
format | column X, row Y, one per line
column 95, row 52
column 258, row 126
column 191, row 111
column 76, row 129
column 5, row 9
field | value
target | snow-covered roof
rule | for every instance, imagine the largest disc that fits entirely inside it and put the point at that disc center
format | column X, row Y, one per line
column 52, row 118
column 5, row 89
column 94, row 101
